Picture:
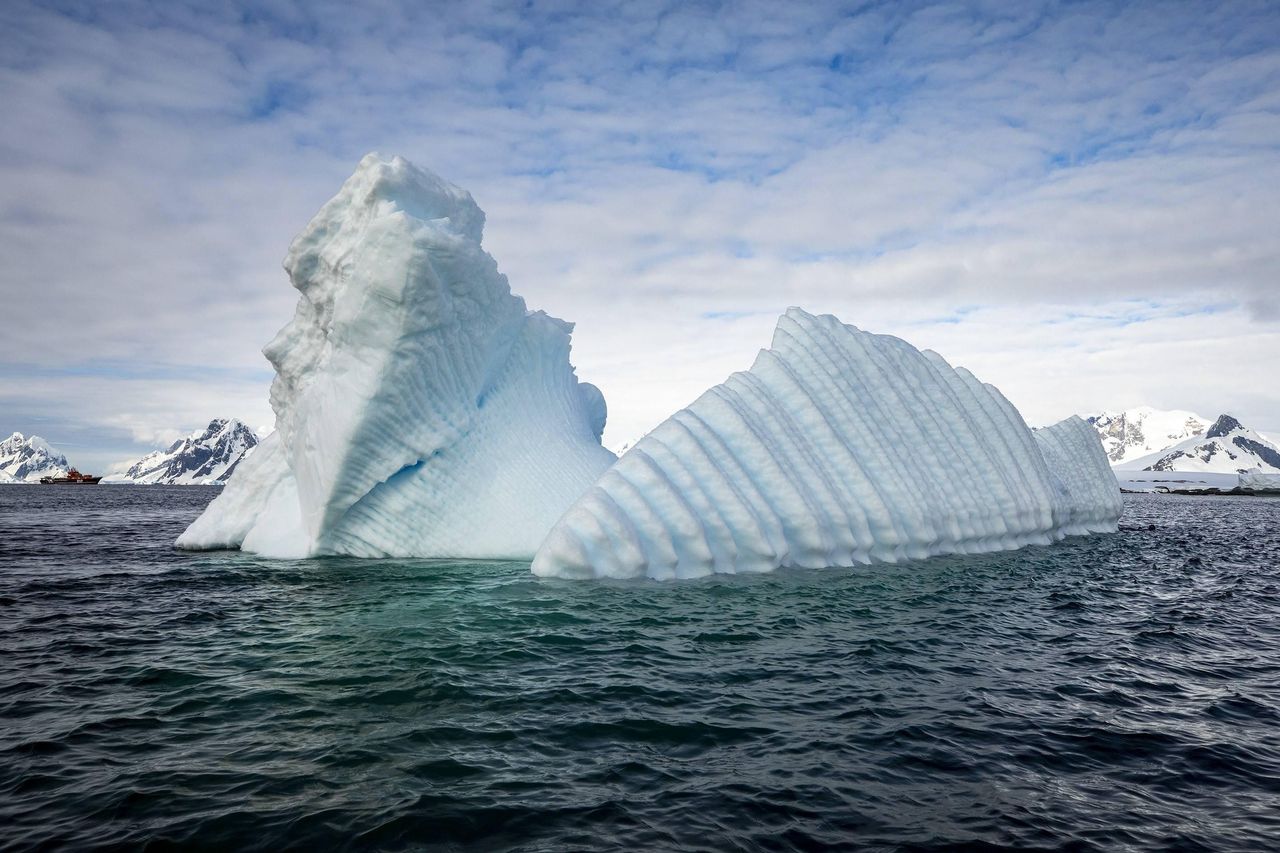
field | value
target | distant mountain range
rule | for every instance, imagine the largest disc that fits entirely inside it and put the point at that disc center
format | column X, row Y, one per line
column 1146, row 439
column 26, row 460
column 1136, row 433
column 206, row 457
column 1138, row 439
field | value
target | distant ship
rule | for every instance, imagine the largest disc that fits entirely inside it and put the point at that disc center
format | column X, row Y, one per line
column 73, row 478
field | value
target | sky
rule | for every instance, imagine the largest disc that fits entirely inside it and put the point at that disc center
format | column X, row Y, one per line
column 1076, row 200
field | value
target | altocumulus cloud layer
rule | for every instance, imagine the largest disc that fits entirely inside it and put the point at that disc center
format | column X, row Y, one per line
column 1077, row 201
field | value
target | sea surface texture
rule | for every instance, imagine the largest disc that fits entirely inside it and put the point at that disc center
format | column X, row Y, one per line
column 1105, row 693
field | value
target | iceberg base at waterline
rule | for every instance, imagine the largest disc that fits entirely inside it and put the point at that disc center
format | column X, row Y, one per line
column 838, row 447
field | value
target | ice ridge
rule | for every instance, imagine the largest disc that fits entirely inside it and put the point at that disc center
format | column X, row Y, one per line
column 838, row 447
column 421, row 409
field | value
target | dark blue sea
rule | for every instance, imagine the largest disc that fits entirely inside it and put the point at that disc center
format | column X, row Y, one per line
column 1110, row 693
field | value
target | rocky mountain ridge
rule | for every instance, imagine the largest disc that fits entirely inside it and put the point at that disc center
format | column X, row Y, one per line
column 1147, row 439
column 1227, row 446
column 26, row 459
column 206, row 457
column 1134, row 433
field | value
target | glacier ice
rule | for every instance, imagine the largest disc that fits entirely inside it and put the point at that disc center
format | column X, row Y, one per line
column 421, row 410
column 838, row 447
column 1258, row 480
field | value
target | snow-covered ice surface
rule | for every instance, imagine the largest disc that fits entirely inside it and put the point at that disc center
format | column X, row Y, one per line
column 838, row 447
column 421, row 410
column 1151, row 481
column 1259, row 480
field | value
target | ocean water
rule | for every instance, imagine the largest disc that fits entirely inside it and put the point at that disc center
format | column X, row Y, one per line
column 1117, row 692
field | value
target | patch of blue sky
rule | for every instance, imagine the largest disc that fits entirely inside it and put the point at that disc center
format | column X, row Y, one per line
column 137, row 371
column 654, row 260
column 701, row 163
column 273, row 21
column 889, row 243
column 1142, row 311
column 822, row 256
column 278, row 95
column 1204, row 310
column 954, row 317
column 546, row 171
column 31, row 417
column 1109, row 319
column 1111, row 145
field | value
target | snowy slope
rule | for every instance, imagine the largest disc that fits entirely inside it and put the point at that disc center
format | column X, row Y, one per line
column 1227, row 447
column 838, row 447
column 1141, row 431
column 421, row 409
column 26, row 460
column 205, row 457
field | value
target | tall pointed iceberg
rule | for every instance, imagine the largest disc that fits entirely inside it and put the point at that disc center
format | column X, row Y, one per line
column 838, row 447
column 421, row 410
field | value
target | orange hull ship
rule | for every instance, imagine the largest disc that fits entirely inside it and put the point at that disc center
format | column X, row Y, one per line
column 73, row 478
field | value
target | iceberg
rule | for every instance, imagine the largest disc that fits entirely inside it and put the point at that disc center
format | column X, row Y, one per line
column 1258, row 480
column 421, row 409
column 838, row 447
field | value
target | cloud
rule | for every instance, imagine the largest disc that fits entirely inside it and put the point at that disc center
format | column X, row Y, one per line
column 670, row 176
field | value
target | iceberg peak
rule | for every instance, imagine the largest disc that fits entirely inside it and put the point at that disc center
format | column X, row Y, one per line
column 421, row 409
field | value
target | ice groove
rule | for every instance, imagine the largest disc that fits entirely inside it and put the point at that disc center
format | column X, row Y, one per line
column 421, row 409
column 838, row 447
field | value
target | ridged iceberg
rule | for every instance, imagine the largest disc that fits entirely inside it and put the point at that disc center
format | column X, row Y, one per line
column 421, row 410
column 838, row 447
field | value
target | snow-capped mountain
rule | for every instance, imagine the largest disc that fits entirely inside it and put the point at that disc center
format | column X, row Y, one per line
column 1228, row 447
column 1138, row 432
column 26, row 460
column 205, row 457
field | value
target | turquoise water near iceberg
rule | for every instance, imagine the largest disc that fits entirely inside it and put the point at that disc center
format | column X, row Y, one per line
column 1115, row 692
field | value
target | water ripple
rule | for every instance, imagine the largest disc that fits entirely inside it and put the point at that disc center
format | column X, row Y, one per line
column 1108, row 693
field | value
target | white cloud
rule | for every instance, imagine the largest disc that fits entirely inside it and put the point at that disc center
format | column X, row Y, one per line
column 669, row 178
